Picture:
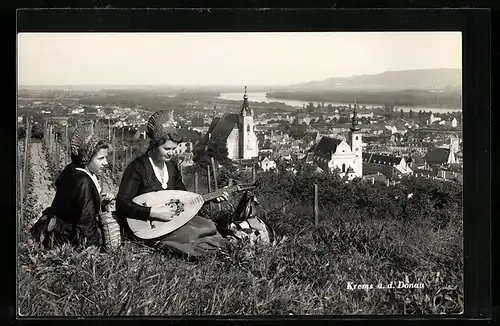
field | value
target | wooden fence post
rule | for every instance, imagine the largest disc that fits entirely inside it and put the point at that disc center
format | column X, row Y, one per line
column 214, row 168
column 52, row 145
column 209, row 185
column 121, row 172
column 196, row 185
column 114, row 157
column 315, row 205
column 58, row 158
column 254, row 174
column 56, row 152
column 49, row 139
column 56, row 149
column 68, row 146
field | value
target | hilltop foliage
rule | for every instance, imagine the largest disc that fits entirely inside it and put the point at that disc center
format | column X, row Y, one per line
column 404, row 97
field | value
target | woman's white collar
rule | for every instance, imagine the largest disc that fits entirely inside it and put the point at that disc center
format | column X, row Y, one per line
column 93, row 177
column 156, row 170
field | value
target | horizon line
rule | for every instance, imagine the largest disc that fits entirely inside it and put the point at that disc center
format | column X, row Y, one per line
column 224, row 85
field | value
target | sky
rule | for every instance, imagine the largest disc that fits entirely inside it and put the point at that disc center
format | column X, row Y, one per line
column 226, row 58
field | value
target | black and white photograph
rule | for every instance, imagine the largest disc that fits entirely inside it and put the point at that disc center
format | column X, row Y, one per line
column 240, row 173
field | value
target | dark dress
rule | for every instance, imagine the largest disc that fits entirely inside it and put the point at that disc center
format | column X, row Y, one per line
column 76, row 206
column 195, row 238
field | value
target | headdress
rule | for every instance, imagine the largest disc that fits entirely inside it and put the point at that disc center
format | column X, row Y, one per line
column 84, row 141
column 161, row 127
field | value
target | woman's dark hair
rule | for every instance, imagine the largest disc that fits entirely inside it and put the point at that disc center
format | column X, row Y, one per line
column 153, row 143
column 100, row 145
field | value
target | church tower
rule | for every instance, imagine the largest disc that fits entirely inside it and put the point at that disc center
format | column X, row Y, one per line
column 355, row 142
column 247, row 139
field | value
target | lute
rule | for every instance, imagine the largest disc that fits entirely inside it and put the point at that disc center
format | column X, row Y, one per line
column 186, row 203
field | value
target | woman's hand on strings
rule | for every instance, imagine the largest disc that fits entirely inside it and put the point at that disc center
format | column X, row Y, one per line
column 224, row 197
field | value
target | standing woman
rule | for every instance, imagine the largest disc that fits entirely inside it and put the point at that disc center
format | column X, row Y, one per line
column 155, row 171
column 72, row 217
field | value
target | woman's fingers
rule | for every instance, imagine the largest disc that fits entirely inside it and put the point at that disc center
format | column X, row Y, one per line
column 107, row 196
column 224, row 197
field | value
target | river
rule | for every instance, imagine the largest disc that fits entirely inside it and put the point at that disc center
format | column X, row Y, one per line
column 261, row 97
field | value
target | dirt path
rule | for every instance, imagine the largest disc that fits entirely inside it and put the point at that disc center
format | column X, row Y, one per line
column 42, row 183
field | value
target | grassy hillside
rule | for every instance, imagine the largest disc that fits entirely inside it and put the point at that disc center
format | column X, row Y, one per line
column 368, row 234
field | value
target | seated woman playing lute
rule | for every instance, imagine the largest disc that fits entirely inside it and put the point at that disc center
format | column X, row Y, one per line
column 152, row 171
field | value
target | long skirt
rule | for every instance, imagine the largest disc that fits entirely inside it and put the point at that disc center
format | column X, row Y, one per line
column 197, row 237
column 58, row 233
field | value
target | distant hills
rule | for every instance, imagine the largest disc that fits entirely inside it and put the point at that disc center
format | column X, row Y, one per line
column 423, row 79
column 433, row 80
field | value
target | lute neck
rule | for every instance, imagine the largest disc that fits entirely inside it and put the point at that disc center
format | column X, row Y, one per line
column 218, row 193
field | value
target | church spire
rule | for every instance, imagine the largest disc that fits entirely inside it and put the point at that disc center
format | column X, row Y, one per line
column 354, row 120
column 245, row 109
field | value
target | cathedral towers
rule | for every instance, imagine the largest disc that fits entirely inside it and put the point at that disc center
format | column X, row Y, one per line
column 355, row 141
column 247, row 138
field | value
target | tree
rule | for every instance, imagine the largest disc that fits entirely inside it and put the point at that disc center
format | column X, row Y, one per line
column 267, row 143
column 411, row 114
column 343, row 119
column 297, row 131
column 37, row 131
column 225, row 173
column 401, row 114
column 197, row 122
column 310, row 107
column 21, row 132
column 212, row 148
